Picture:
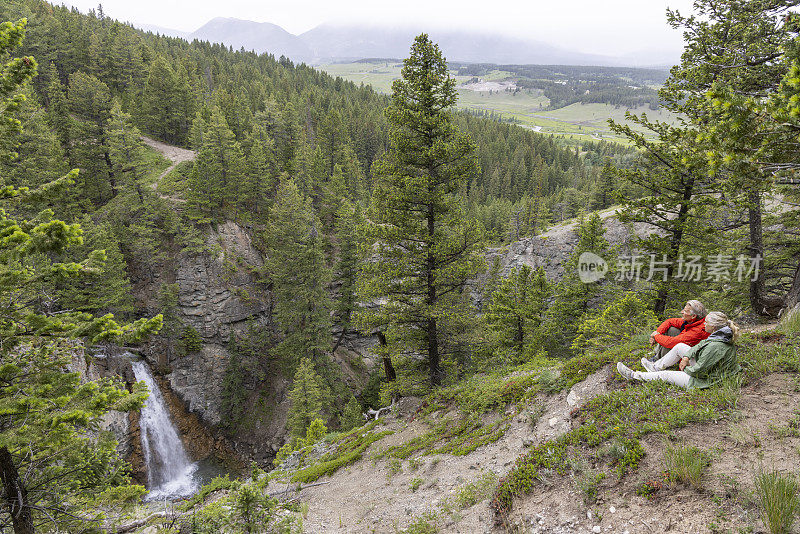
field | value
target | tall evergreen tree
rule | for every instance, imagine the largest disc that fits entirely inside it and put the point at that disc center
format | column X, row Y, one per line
column 167, row 102
column 573, row 297
column 300, row 278
column 424, row 249
column 90, row 105
column 733, row 48
column 307, row 398
column 53, row 463
column 348, row 221
column 218, row 171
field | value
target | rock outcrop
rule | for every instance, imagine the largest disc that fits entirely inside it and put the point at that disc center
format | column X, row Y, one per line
column 551, row 249
column 219, row 294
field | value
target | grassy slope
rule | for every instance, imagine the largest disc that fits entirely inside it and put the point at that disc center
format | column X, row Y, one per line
column 436, row 469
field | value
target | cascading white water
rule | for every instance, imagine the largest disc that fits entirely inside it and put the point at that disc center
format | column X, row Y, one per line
column 170, row 473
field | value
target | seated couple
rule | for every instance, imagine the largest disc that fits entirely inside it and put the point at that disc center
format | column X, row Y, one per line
column 702, row 344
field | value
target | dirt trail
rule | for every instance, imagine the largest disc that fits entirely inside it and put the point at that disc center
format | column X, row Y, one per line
column 175, row 155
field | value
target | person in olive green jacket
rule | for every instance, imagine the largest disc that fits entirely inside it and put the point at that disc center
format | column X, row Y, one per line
column 705, row 364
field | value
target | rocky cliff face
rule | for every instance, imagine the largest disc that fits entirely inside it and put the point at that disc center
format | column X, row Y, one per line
column 219, row 294
column 551, row 250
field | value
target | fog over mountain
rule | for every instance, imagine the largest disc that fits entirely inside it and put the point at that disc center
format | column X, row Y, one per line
column 333, row 42
column 258, row 36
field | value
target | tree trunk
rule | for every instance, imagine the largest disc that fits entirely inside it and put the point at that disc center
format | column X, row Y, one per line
column 388, row 368
column 16, row 494
column 756, row 249
column 433, row 354
column 793, row 297
column 675, row 246
column 431, row 332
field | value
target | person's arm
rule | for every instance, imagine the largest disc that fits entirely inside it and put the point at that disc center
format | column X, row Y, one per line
column 705, row 361
column 663, row 327
column 690, row 336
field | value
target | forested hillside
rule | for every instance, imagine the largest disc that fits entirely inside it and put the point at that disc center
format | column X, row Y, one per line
column 310, row 249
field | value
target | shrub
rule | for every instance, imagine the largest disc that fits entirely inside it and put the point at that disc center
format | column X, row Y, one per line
column 474, row 492
column 777, row 496
column 190, row 340
column 686, row 464
column 625, row 317
column 589, row 484
column 315, row 432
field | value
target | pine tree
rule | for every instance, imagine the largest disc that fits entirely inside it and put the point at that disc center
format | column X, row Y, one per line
column 104, row 287
column 38, row 158
column 574, row 298
column 348, row 221
column 58, row 110
column 53, row 463
column 90, row 104
column 300, row 278
column 262, row 173
column 603, row 193
column 351, row 416
column 424, row 249
column 332, row 138
column 517, row 307
column 167, row 102
column 218, row 171
column 307, row 399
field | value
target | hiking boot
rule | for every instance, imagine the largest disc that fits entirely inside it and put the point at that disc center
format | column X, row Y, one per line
column 625, row 371
column 648, row 366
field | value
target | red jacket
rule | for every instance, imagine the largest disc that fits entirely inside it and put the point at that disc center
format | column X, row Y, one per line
column 691, row 333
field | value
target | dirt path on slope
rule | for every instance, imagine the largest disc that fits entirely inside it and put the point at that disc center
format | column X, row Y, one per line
column 371, row 496
column 175, row 155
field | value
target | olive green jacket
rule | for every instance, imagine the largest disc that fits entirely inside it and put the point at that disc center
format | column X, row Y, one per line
column 715, row 359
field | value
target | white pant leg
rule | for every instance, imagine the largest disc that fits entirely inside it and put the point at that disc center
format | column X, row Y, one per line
column 679, row 378
column 672, row 357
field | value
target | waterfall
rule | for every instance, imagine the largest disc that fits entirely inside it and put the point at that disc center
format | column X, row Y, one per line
column 170, row 473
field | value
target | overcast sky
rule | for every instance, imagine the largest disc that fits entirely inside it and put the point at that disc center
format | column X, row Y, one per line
column 611, row 27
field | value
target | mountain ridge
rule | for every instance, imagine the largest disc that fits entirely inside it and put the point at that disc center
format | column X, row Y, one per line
column 336, row 42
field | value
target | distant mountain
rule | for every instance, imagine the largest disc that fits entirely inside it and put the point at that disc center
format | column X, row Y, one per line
column 163, row 31
column 258, row 36
column 354, row 42
column 331, row 42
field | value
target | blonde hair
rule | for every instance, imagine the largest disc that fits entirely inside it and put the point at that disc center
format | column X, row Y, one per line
column 697, row 308
column 718, row 320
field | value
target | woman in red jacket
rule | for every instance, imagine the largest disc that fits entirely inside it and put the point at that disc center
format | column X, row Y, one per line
column 689, row 329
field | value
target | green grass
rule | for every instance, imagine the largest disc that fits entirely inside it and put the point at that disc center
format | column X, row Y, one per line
column 482, row 393
column 216, row 484
column 423, row 525
column 611, row 425
column 155, row 163
column 686, row 464
column 474, row 492
column 176, row 182
column 777, row 495
column 457, row 435
column 790, row 324
column 349, row 449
